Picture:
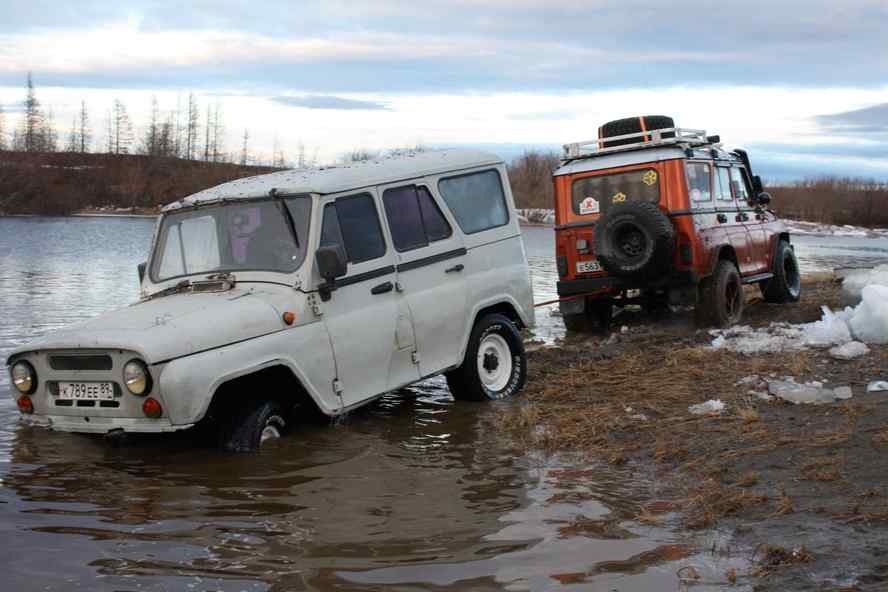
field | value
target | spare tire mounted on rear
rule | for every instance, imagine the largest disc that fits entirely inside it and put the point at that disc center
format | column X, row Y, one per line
column 635, row 240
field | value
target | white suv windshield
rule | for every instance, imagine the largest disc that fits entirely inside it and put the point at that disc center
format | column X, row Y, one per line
column 246, row 236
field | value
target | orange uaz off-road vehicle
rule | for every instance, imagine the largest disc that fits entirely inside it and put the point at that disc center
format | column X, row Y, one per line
column 661, row 215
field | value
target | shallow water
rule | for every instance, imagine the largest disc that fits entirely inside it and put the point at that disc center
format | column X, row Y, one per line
column 413, row 492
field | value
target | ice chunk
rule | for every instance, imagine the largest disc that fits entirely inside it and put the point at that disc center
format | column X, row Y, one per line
column 710, row 407
column 829, row 330
column 877, row 386
column 849, row 351
column 869, row 320
column 811, row 393
column 855, row 281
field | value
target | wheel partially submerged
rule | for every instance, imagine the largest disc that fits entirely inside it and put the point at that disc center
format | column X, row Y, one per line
column 495, row 365
column 257, row 423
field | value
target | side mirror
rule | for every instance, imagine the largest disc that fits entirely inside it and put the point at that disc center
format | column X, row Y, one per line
column 141, row 269
column 764, row 199
column 332, row 262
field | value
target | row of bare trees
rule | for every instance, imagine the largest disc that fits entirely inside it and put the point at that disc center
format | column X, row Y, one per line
column 177, row 133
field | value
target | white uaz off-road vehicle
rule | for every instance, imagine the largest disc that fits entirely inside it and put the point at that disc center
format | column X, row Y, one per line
column 315, row 290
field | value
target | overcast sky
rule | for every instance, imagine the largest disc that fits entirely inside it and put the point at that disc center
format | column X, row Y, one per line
column 802, row 83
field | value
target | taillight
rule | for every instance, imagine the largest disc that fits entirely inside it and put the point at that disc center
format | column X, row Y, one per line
column 25, row 404
column 151, row 408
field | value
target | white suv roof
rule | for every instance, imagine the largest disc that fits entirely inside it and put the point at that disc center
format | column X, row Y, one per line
column 343, row 177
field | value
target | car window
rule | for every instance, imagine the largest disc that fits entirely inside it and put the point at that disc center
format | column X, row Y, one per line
column 595, row 195
column 436, row 225
column 404, row 218
column 724, row 185
column 477, row 200
column 353, row 223
column 414, row 218
column 739, row 184
column 699, row 181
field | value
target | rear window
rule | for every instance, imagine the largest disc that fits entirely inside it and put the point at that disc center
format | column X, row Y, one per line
column 476, row 200
column 594, row 195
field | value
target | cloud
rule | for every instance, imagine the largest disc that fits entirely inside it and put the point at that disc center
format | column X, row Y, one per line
column 869, row 121
column 330, row 102
column 443, row 46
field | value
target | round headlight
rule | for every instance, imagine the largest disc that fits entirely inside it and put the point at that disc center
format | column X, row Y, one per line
column 136, row 377
column 24, row 378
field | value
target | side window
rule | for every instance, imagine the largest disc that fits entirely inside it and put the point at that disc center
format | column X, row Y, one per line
column 476, row 200
column 699, row 181
column 404, row 218
column 436, row 225
column 724, row 184
column 354, row 223
column 414, row 218
column 739, row 183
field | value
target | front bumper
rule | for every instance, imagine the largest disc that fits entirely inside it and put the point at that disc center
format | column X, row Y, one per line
column 103, row 425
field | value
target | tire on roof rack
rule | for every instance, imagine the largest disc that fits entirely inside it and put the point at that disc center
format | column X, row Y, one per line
column 634, row 125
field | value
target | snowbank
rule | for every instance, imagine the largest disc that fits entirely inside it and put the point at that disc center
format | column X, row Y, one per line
column 866, row 323
column 809, row 393
column 815, row 228
column 854, row 281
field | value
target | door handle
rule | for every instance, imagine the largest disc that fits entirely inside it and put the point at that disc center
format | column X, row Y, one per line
column 382, row 288
column 721, row 218
column 455, row 268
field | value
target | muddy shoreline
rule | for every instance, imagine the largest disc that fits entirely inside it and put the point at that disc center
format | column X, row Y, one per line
column 800, row 488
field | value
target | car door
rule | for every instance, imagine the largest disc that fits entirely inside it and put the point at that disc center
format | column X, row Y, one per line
column 730, row 217
column 759, row 252
column 362, row 313
column 430, row 265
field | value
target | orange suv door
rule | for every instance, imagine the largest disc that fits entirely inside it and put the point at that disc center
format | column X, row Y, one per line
column 759, row 251
column 730, row 217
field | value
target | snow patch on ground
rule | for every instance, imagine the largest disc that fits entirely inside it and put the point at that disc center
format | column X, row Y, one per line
column 866, row 323
column 808, row 393
column 815, row 228
column 877, row 386
column 710, row 407
column 849, row 351
column 854, row 281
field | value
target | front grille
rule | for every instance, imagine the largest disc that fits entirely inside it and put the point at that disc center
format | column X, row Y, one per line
column 80, row 362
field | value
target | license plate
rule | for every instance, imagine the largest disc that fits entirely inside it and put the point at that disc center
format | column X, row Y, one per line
column 588, row 266
column 86, row 390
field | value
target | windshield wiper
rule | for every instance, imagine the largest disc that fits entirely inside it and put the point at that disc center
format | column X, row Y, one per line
column 180, row 287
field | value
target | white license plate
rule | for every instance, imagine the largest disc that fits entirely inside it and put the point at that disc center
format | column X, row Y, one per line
column 86, row 390
column 588, row 266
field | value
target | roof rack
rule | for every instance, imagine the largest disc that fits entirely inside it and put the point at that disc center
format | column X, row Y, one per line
column 647, row 139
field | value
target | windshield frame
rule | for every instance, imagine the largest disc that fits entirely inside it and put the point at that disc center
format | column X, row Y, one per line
column 293, row 225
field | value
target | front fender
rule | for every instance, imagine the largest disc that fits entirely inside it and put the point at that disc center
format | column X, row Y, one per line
column 187, row 384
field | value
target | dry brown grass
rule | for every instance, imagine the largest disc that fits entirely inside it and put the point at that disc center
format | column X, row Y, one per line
column 713, row 500
column 747, row 479
column 822, row 469
column 771, row 558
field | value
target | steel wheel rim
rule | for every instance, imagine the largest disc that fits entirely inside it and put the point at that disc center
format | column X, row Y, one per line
column 272, row 430
column 494, row 362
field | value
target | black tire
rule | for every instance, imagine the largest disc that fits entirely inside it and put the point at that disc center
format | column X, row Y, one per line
column 633, row 125
column 721, row 298
column 491, row 332
column 786, row 285
column 596, row 318
column 634, row 239
column 245, row 429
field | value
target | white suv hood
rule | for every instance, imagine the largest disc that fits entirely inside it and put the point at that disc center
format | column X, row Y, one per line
column 171, row 326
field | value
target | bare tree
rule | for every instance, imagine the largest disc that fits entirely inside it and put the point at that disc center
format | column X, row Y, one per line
column 218, row 139
column 245, row 155
column 121, row 129
column 84, row 132
column 208, row 130
column 48, row 136
column 192, row 126
column 278, row 158
column 33, row 124
column 73, row 138
column 149, row 141
column 2, row 129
